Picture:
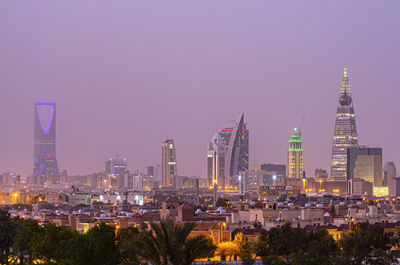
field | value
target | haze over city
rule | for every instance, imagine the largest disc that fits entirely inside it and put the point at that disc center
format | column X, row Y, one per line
column 127, row 76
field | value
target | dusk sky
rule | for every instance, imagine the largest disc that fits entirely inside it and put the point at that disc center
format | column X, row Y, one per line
column 127, row 74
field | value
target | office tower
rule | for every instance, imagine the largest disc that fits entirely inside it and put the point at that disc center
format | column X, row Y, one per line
column 45, row 168
column 280, row 170
column 116, row 169
column 237, row 152
column 389, row 172
column 295, row 156
column 216, row 162
column 365, row 163
column 228, row 155
column 345, row 133
column 168, row 163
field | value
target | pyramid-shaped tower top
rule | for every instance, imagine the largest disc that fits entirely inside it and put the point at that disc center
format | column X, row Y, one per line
column 345, row 84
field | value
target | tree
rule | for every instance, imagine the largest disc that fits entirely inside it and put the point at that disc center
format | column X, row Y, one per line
column 244, row 249
column 102, row 245
column 8, row 231
column 170, row 244
column 366, row 244
column 129, row 244
column 226, row 249
column 27, row 240
column 320, row 249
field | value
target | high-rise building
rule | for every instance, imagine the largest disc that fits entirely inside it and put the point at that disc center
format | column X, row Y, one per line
column 168, row 163
column 45, row 168
column 295, row 156
column 365, row 163
column 216, row 162
column 228, row 155
column 389, row 172
column 345, row 133
column 237, row 152
column 116, row 169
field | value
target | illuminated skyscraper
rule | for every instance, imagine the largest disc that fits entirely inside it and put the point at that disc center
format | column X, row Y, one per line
column 295, row 156
column 345, row 133
column 216, row 162
column 116, row 170
column 168, row 163
column 45, row 166
column 228, row 154
column 237, row 152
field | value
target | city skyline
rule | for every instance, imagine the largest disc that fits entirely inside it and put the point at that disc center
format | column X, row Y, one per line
column 112, row 95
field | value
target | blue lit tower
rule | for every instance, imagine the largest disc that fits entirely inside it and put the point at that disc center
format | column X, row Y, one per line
column 44, row 150
column 345, row 133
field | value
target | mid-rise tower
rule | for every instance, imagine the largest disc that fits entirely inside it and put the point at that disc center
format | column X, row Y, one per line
column 168, row 163
column 45, row 167
column 345, row 132
column 295, row 156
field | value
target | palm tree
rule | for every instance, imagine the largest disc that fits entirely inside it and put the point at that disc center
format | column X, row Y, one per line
column 170, row 244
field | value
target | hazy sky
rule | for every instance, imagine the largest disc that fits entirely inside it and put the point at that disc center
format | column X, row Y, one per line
column 127, row 74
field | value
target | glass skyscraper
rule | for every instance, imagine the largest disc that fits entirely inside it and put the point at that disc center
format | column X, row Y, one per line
column 228, row 155
column 345, row 132
column 45, row 167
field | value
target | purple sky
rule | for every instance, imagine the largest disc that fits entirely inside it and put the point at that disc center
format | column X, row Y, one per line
column 126, row 74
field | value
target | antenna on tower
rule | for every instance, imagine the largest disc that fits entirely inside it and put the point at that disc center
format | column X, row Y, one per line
column 301, row 123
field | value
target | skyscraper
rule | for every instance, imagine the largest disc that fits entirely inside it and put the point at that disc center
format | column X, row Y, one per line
column 295, row 156
column 237, row 152
column 228, row 154
column 389, row 173
column 168, row 163
column 45, row 167
column 216, row 162
column 365, row 163
column 116, row 169
column 345, row 133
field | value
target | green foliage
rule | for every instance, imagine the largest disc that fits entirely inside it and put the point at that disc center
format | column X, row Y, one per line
column 367, row 244
column 172, row 246
column 287, row 245
column 102, row 245
column 168, row 243
column 8, row 231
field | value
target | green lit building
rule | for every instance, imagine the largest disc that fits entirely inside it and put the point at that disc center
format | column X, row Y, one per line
column 295, row 156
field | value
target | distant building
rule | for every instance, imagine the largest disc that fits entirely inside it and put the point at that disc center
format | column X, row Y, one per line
column 320, row 173
column 45, row 167
column 345, row 133
column 116, row 169
column 390, row 179
column 389, row 172
column 228, row 155
column 365, row 163
column 295, row 156
column 280, row 170
column 360, row 187
column 168, row 163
